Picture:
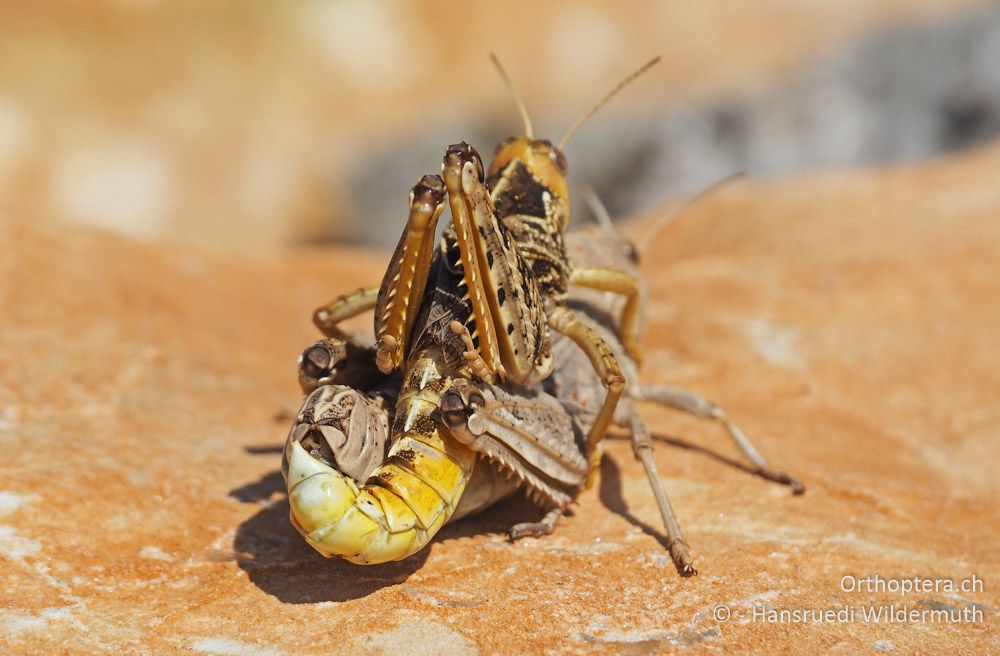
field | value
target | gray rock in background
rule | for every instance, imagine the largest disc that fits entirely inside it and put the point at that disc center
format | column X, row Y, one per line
column 898, row 96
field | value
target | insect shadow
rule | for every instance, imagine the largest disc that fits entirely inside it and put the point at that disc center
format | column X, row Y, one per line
column 610, row 490
column 610, row 493
column 279, row 562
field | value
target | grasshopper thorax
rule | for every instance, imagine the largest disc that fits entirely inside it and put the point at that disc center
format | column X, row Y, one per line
column 527, row 182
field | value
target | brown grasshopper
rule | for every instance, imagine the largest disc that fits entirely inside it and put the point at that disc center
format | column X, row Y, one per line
column 499, row 283
column 521, row 432
column 523, row 436
column 501, row 263
column 506, row 239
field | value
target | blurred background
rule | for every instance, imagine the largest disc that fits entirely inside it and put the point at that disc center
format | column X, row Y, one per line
column 249, row 127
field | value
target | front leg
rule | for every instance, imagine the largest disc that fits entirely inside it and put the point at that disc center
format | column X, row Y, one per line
column 603, row 359
column 405, row 280
column 328, row 317
column 508, row 324
column 397, row 301
column 618, row 282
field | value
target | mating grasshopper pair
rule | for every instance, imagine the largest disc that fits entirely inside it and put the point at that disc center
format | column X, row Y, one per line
column 483, row 399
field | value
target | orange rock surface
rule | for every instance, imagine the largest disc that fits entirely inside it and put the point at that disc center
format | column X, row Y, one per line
column 848, row 320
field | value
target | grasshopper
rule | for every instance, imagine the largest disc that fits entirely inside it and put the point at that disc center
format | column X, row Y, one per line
column 501, row 262
column 506, row 239
column 524, row 437
column 520, row 432
column 500, row 278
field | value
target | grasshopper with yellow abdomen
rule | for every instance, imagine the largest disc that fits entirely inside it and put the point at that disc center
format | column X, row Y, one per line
column 525, row 437
column 466, row 330
column 479, row 307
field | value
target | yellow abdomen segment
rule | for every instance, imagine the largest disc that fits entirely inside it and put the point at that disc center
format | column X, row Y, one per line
column 402, row 504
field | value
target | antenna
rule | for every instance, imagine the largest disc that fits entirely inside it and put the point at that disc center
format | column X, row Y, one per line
column 513, row 92
column 670, row 217
column 597, row 207
column 611, row 94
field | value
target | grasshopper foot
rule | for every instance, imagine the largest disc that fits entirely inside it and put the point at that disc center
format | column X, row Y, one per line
column 535, row 529
column 476, row 363
column 781, row 477
column 682, row 558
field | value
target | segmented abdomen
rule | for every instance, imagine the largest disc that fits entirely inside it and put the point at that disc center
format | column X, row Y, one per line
column 404, row 501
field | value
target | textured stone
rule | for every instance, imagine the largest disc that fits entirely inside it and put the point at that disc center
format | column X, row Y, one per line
column 847, row 320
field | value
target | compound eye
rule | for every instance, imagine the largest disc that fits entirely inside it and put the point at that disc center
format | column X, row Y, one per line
column 559, row 159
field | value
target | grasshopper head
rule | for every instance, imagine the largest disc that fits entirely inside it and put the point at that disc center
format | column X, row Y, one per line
column 528, row 176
